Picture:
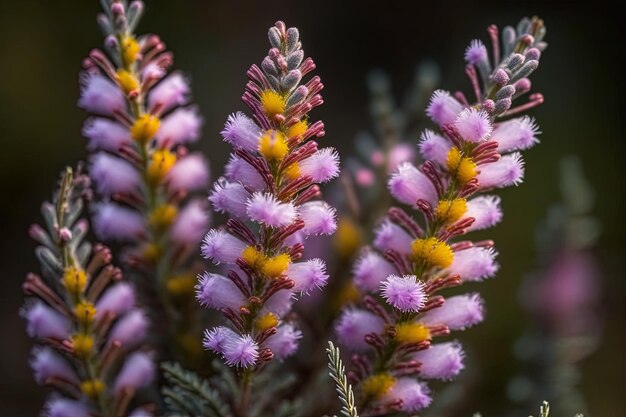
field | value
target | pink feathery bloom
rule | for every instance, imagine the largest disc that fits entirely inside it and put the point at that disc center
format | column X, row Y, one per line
column 322, row 166
column 285, row 342
column 242, row 132
column 354, row 324
column 218, row 292
column 398, row 154
column 230, row 197
column 137, row 372
column 181, row 126
column 240, row 351
column 413, row 395
column 391, row 236
column 153, row 71
column 485, row 210
column 99, row 95
column 475, row 264
column 190, row 224
column 113, row 175
column 507, row 171
column 131, row 329
column 114, row 222
column 48, row 364
column 104, row 134
column 221, row 246
column 171, row 92
column 408, row 184
column 370, row 270
column 405, row 293
column 62, row 407
column 216, row 338
column 265, row 208
column 458, row 312
column 239, row 170
column 476, row 52
column 117, row 300
column 440, row 361
column 319, row 218
column 443, row 108
column 434, row 147
column 520, row 133
column 308, row 275
column 364, row 177
column 43, row 322
column 190, row 173
column 473, row 125
column 279, row 303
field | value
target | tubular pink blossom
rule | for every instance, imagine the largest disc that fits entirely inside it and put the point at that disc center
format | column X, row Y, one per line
column 265, row 208
column 131, row 329
column 113, row 175
column 242, row 132
column 392, row 236
column 319, row 218
column 43, row 322
column 476, row 52
column 279, row 303
column 190, row 173
column 414, row 395
column 514, row 134
column 398, row 154
column 405, row 293
column 408, row 184
column 239, row 170
column 221, row 246
column 171, row 92
column 440, row 361
column 117, row 300
column 229, row 197
column 181, row 126
column 308, row 275
column 507, row 171
column 138, row 371
column 218, row 292
column 114, row 222
column 190, row 224
column 370, row 270
column 434, row 147
column 458, row 313
column 48, row 364
column 443, row 108
column 473, row 125
column 285, row 342
column 62, row 407
column 240, row 351
column 104, row 134
column 322, row 166
column 475, row 264
column 354, row 324
column 99, row 95
column 216, row 338
column 485, row 210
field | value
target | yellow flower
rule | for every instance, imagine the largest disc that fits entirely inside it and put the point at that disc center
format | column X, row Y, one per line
column 412, row 333
column 273, row 145
column 82, row 344
column 378, row 385
column 130, row 49
column 160, row 164
column 433, row 252
column 144, row 128
column 252, row 256
column 461, row 167
column 266, row 321
column 275, row 266
column 92, row 387
column 127, row 81
column 163, row 216
column 348, row 237
column 180, row 284
column 449, row 211
column 292, row 171
column 297, row 129
column 85, row 312
column 272, row 103
column 75, row 280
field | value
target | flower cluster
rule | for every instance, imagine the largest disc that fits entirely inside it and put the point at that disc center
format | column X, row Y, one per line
column 139, row 163
column 475, row 150
column 83, row 316
column 268, row 191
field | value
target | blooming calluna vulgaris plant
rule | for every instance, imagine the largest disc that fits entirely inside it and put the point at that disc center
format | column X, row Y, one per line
column 139, row 163
column 268, row 191
column 83, row 316
column 476, row 150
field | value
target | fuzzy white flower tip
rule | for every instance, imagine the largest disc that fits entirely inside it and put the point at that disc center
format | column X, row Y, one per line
column 473, row 125
column 265, row 208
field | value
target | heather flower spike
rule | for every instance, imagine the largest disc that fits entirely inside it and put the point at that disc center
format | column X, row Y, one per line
column 269, row 191
column 143, row 173
column 393, row 331
column 83, row 316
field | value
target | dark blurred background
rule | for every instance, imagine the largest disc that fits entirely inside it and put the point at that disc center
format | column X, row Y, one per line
column 42, row 44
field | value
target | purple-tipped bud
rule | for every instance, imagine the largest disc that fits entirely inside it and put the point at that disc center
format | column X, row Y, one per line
column 190, row 223
column 412, row 394
column 399, row 154
column 291, row 80
column 114, row 222
column 533, row 54
column 370, row 270
column 43, row 322
column 500, row 77
column 443, row 108
column 218, row 292
column 285, row 342
column 229, row 197
column 308, row 275
column 62, row 407
column 221, row 246
column 106, row 135
column 475, row 264
column 505, row 92
column 458, row 313
column 113, row 175
column 48, row 364
column 408, row 184
column 266, row 209
column 476, row 52
column 99, row 95
column 173, row 91
column 489, row 106
column 441, row 361
column 434, row 147
column 520, row 133
column 502, row 105
column 322, row 166
column 392, row 236
column 181, row 126
column 515, row 61
column 404, row 293
column 473, row 125
column 507, row 171
column 319, row 218
column 353, row 325
column 239, row 170
column 138, row 371
column 485, row 210
column 190, row 173
column 242, row 132
column 523, row 86
column 117, row 300
column 131, row 329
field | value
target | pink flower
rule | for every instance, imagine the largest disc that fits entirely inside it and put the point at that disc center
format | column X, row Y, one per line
column 308, row 275
column 221, row 246
column 285, row 342
column 218, row 292
column 44, row 322
column 183, row 125
column 319, row 218
column 398, row 154
column 113, row 175
column 279, row 303
column 229, row 197
column 137, row 372
column 405, row 293
column 485, row 210
column 117, row 300
column 434, row 147
column 370, row 270
column 242, row 132
column 48, row 364
column 99, row 95
column 475, row 264
column 476, row 52
column 173, row 91
column 413, row 395
column 392, row 236
column 265, row 208
column 354, row 324
column 443, row 108
column 519, row 133
column 190, row 173
column 114, row 222
column 408, row 184
column 62, row 407
column 239, row 170
column 440, row 361
column 322, row 166
column 104, row 134
column 473, row 125
column 131, row 329
column 190, row 224
column 507, row 171
column 458, row 313
column 237, row 350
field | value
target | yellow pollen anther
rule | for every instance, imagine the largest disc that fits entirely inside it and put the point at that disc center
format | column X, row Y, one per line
column 130, row 49
column 378, row 385
column 449, row 211
column 272, row 103
column 82, row 344
column 180, row 285
column 74, row 280
column 163, row 216
column 433, row 252
column 85, row 312
column 266, row 321
column 160, row 164
column 297, row 129
column 461, row 167
column 252, row 256
column 275, row 266
column 348, row 294
column 348, row 237
column 144, row 128
column 151, row 252
column 92, row 387
column 292, row 171
column 412, row 333
column 273, row 145
column 127, row 81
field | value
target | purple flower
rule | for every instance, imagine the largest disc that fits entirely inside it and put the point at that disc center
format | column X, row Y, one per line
column 137, row 372
column 216, row 338
column 279, row 303
column 218, row 292
column 473, row 125
column 131, row 329
column 48, row 364
column 370, row 270
column 43, row 322
column 265, row 208
column 239, row 170
column 242, row 132
column 183, row 125
column 443, row 108
column 414, row 395
column 114, row 222
column 434, row 147
column 519, row 133
column 475, row 264
column 99, row 95
column 229, row 197
column 408, row 184
column 322, row 166
column 113, row 175
column 507, row 171
column 308, row 275
column 485, row 210
column 458, row 313
column 241, row 350
column 405, row 293
column 398, row 154
column 221, row 246
column 285, row 342
column 117, row 300
column 440, row 361
column 171, row 92
column 319, row 218
column 104, row 134
column 62, row 407
column 392, row 236
column 189, row 173
column 354, row 324
column 475, row 52
column 190, row 224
